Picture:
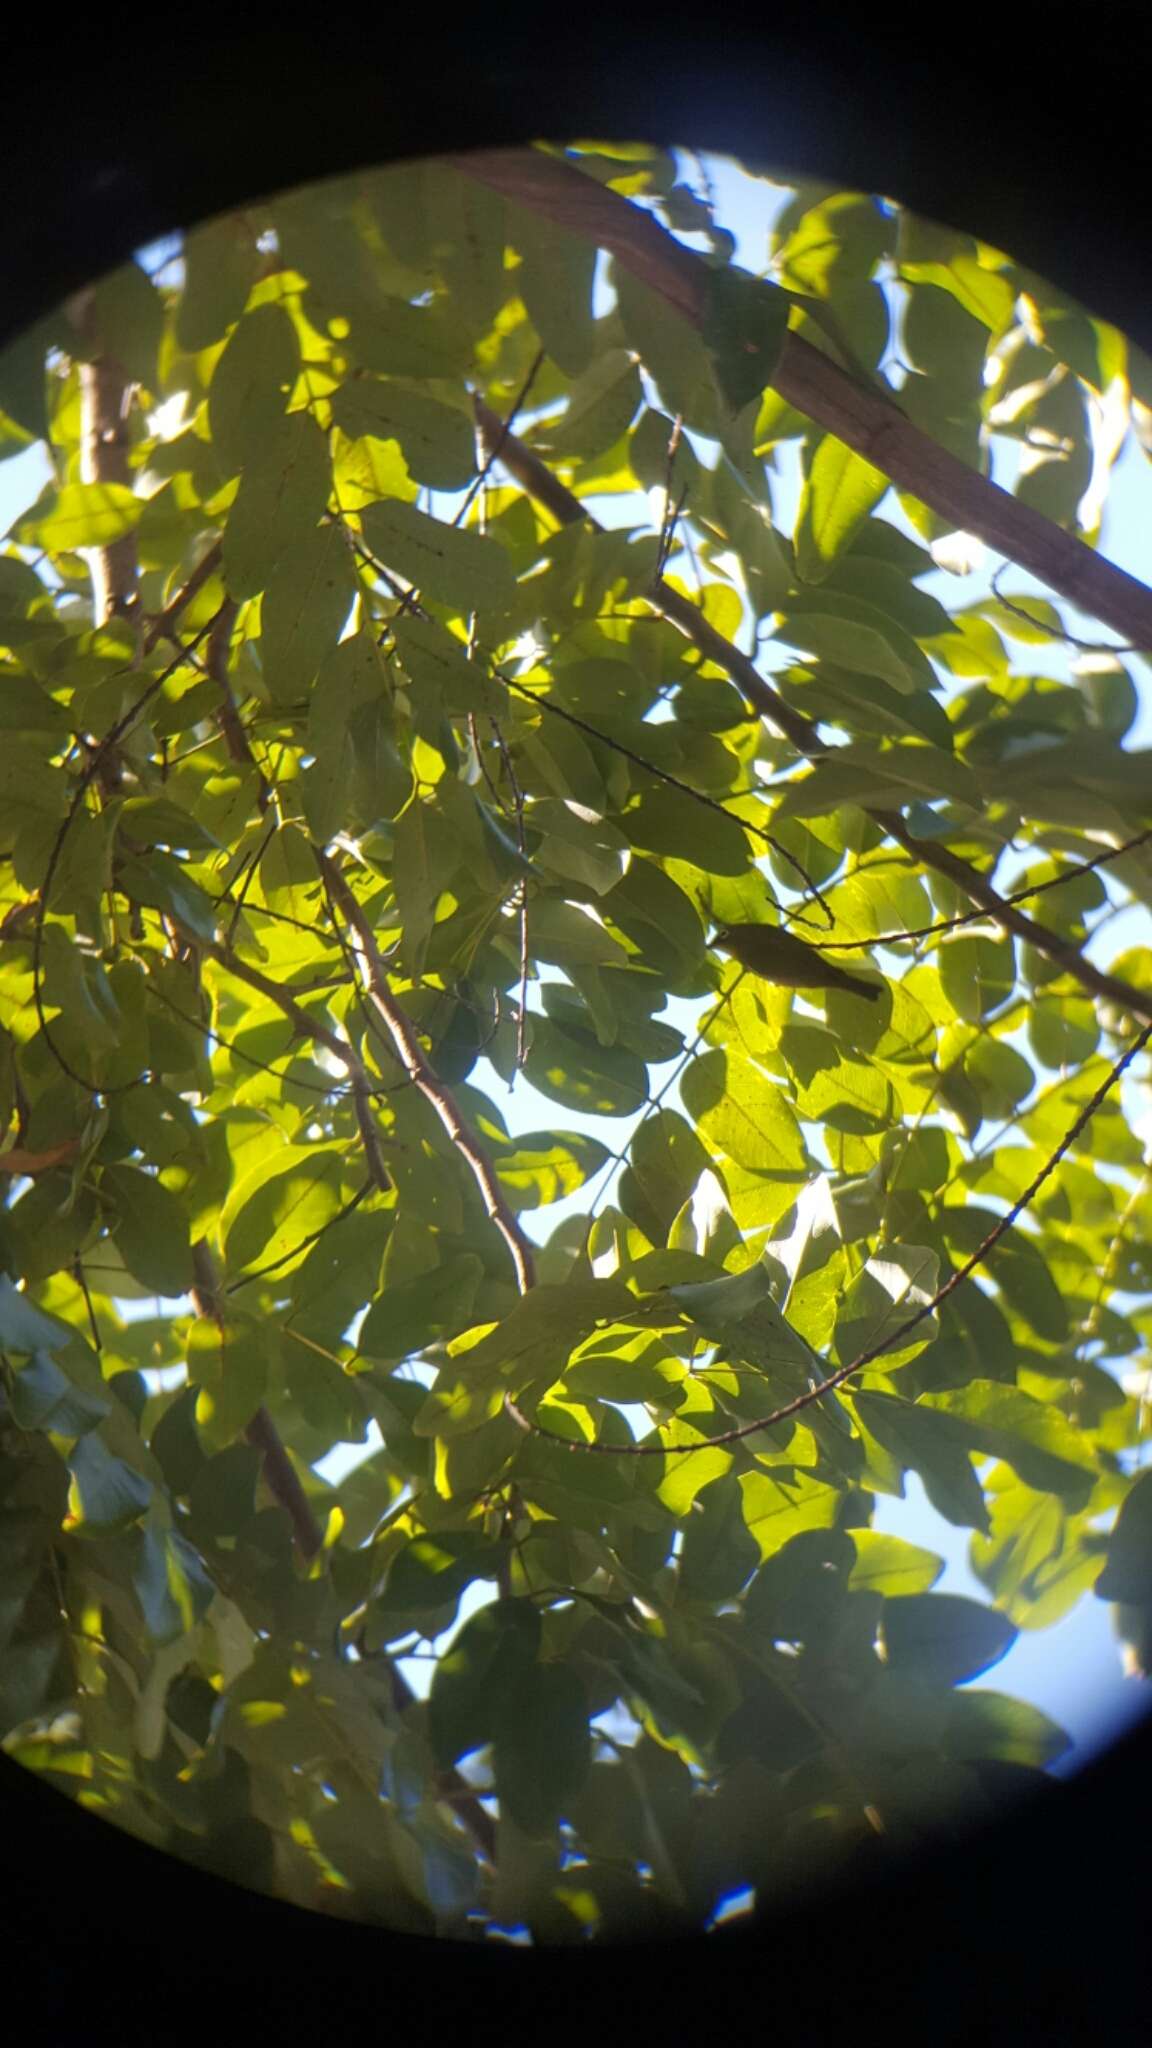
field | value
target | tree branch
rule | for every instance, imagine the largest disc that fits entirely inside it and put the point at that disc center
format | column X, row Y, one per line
column 857, row 413
column 891, row 1341
column 284, row 1484
column 422, row 1077
column 104, row 399
column 538, row 481
column 311, row 1027
column 161, row 627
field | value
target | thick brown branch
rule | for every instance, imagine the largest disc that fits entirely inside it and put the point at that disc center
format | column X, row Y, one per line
column 1109, row 987
column 538, row 481
column 419, row 1072
column 858, row 414
column 104, row 399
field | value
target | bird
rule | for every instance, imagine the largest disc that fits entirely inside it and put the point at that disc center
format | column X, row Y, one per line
column 778, row 956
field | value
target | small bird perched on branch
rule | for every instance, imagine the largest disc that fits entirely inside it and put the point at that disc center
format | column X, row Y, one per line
column 777, row 955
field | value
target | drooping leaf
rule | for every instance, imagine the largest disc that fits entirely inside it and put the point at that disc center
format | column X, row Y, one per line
column 942, row 1638
column 840, row 490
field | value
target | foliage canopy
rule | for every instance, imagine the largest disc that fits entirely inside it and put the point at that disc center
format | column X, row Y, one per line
column 348, row 751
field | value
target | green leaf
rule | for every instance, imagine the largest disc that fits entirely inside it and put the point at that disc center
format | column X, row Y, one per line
column 437, row 441
column 150, row 1229
column 323, row 1394
column 24, row 382
column 158, row 880
column 157, row 821
column 454, row 566
column 977, row 974
column 220, row 268
column 441, row 667
column 306, row 604
column 411, row 1315
column 844, row 629
column 250, row 387
column 779, row 1509
column 653, row 1375
column 286, row 1207
column 885, row 1295
column 338, row 1276
column 426, row 1578
column 989, row 1726
column 170, row 1583
column 743, row 1115
column 399, row 340
column 889, row 1565
column 176, row 1443
column 660, row 920
column 23, row 1326
column 718, row 1553
column 574, row 1069
column 744, row 323
column 222, row 1500
column 840, row 491
column 106, row 1494
column 601, row 407
column 672, row 351
column 566, row 935
column 941, row 1638
column 483, row 1668
column 128, row 316
column 83, row 516
column 927, row 1444
column 230, row 1363
column 1032, row 1436
column 891, row 777
column 554, row 281
column 665, row 1161
column 667, row 821
column 43, row 1397
column 1018, row 1267
column 283, row 493
column 540, row 1167
column 534, row 1328
column 1127, row 1573
column 426, row 855
column 543, row 1748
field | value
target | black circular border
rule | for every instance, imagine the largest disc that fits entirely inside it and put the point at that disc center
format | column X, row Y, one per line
column 1028, row 130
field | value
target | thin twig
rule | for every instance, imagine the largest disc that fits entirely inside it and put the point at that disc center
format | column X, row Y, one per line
column 412, row 1059
column 892, row 1341
column 308, row 1026
column 856, row 409
column 287, row 1489
column 89, row 774
column 522, row 898
column 162, row 625
column 927, row 853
